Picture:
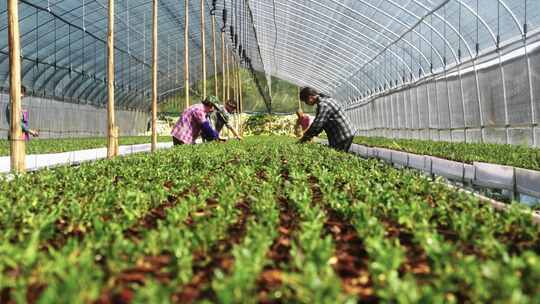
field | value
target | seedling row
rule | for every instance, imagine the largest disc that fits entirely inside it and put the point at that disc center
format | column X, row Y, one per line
column 260, row 221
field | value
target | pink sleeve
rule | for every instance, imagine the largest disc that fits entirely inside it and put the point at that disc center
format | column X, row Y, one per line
column 199, row 116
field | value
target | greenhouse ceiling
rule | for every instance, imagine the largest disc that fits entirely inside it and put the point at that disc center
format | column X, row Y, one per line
column 349, row 48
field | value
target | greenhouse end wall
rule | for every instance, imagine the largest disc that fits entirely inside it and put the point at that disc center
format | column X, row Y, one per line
column 496, row 100
column 56, row 119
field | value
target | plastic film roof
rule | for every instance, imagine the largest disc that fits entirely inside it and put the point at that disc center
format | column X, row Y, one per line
column 64, row 48
column 349, row 48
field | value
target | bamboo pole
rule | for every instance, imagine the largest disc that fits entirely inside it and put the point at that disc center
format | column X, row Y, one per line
column 17, row 145
column 154, row 73
column 223, row 67
column 111, row 134
column 203, row 48
column 241, row 89
column 214, row 55
column 186, row 53
column 228, row 74
column 240, row 97
column 236, row 92
column 299, row 101
column 116, row 136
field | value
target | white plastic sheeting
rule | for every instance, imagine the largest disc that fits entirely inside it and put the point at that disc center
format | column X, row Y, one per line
column 494, row 102
column 513, row 180
column 56, row 119
column 40, row 161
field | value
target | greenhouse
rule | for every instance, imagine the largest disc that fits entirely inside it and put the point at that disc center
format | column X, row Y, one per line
column 269, row 151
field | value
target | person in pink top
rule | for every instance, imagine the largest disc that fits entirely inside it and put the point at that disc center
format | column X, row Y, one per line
column 302, row 123
column 193, row 122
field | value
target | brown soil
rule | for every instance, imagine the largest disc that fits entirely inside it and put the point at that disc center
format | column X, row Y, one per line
column 279, row 253
column 416, row 261
column 219, row 256
column 149, row 266
column 350, row 261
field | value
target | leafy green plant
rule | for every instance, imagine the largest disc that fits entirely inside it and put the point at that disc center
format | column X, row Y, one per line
column 510, row 155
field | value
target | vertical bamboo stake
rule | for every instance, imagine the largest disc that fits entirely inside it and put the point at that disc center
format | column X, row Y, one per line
column 227, row 74
column 299, row 102
column 116, row 135
column 214, row 55
column 154, row 73
column 203, row 48
column 223, row 67
column 186, row 53
column 17, row 147
column 111, row 135
column 240, row 99
column 237, row 93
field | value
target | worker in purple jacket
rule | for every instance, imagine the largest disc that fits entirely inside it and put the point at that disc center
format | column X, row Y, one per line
column 24, row 119
column 194, row 121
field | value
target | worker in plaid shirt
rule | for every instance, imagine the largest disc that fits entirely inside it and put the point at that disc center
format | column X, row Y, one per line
column 194, row 121
column 330, row 118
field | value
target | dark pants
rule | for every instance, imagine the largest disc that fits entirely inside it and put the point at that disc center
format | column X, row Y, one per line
column 176, row 141
column 344, row 145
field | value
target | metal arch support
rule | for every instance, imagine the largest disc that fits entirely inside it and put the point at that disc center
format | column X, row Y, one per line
column 395, row 20
column 386, row 78
column 360, row 34
column 290, row 71
column 297, row 47
column 327, row 57
column 516, row 21
column 366, row 39
column 459, row 34
column 301, row 61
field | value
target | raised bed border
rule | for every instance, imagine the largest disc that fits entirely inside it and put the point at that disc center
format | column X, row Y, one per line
column 516, row 180
column 36, row 162
column 512, row 179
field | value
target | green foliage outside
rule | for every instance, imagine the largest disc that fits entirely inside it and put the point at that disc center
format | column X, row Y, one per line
column 56, row 145
column 510, row 155
column 268, row 124
column 284, row 100
column 143, row 228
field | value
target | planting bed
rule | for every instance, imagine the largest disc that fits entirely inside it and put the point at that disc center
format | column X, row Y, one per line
column 509, row 155
column 264, row 220
column 42, row 146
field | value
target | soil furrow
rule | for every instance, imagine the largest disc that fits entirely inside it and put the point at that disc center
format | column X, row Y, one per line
column 148, row 266
column 219, row 256
column 279, row 253
column 350, row 261
column 416, row 259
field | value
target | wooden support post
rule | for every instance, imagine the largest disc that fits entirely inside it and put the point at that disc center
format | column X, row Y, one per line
column 112, row 140
column 214, row 55
column 241, row 90
column 236, row 93
column 299, row 101
column 116, row 138
column 240, row 98
column 186, row 53
column 17, row 146
column 223, row 68
column 203, row 48
column 154, row 73
column 227, row 74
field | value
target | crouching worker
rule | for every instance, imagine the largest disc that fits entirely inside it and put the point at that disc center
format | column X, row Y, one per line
column 24, row 119
column 222, row 116
column 302, row 123
column 330, row 118
column 193, row 122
